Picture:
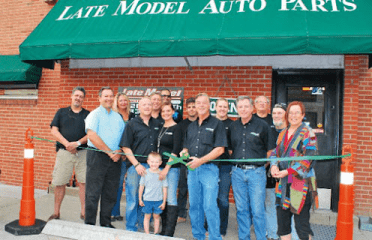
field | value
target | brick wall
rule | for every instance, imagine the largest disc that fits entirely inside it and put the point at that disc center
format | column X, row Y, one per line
column 19, row 115
column 358, row 127
column 252, row 81
column 18, row 19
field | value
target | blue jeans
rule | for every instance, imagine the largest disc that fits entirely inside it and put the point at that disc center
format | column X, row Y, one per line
column 270, row 210
column 249, row 193
column 133, row 213
column 116, row 210
column 173, row 178
column 203, row 191
column 223, row 196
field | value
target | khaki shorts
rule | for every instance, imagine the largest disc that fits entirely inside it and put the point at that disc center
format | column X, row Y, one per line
column 65, row 164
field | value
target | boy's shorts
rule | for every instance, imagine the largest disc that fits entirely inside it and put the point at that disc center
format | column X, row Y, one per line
column 152, row 207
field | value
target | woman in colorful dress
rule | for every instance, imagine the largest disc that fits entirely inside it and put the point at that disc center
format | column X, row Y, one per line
column 296, row 190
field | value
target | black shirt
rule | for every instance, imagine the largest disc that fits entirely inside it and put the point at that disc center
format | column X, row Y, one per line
column 184, row 124
column 130, row 116
column 70, row 124
column 201, row 140
column 252, row 140
column 140, row 138
column 169, row 140
column 160, row 118
column 268, row 119
column 227, row 122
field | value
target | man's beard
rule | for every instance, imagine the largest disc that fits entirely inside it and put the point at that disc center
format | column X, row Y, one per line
column 278, row 124
column 77, row 104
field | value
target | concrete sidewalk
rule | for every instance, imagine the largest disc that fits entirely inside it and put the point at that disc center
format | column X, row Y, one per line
column 70, row 213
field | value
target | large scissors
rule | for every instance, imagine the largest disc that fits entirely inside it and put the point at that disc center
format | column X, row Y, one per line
column 181, row 159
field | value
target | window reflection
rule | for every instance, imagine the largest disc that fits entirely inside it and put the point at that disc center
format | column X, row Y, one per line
column 313, row 99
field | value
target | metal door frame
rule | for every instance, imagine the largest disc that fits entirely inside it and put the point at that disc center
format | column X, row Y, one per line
column 339, row 81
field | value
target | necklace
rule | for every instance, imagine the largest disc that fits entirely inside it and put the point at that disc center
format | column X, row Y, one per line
column 161, row 134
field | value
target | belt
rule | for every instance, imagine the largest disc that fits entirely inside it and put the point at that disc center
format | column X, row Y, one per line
column 63, row 148
column 247, row 166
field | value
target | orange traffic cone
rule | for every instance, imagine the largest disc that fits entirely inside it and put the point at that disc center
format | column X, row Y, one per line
column 346, row 200
column 27, row 223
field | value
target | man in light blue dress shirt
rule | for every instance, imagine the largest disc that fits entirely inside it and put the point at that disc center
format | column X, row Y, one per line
column 104, row 128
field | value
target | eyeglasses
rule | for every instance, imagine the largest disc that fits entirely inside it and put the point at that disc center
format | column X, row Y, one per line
column 295, row 113
column 167, row 96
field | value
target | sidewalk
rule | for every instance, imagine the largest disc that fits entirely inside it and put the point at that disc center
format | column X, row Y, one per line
column 10, row 197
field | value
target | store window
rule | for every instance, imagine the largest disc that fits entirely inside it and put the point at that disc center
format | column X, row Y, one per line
column 313, row 99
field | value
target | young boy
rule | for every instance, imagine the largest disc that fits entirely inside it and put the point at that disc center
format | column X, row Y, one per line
column 155, row 196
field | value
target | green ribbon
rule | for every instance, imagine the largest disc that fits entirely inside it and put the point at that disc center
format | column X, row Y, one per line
column 93, row 149
column 43, row 139
column 316, row 158
column 178, row 159
column 187, row 156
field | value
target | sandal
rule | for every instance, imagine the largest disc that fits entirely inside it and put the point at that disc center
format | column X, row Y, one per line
column 54, row 216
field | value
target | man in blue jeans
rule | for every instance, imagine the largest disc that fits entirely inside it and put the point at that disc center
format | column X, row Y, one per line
column 139, row 138
column 249, row 138
column 205, row 140
column 182, row 184
column 222, row 108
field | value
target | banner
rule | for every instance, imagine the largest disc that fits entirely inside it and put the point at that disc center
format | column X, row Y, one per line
column 136, row 93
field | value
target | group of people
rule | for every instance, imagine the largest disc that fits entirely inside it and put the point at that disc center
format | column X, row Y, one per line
column 110, row 146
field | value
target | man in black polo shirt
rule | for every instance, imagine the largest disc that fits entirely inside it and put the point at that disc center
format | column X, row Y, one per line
column 222, row 109
column 262, row 106
column 68, row 128
column 182, row 184
column 205, row 140
column 139, row 138
column 250, row 138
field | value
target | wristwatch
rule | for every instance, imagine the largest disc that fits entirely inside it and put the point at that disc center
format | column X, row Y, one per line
column 79, row 143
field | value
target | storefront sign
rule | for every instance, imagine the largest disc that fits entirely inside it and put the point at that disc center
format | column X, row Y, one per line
column 136, row 93
column 138, row 7
column 232, row 107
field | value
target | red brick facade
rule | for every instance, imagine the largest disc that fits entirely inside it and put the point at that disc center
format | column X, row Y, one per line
column 56, row 85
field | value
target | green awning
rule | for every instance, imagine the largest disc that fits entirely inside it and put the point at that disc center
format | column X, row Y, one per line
column 14, row 71
column 157, row 28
